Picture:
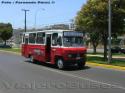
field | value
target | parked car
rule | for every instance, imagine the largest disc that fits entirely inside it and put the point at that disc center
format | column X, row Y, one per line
column 115, row 49
column 5, row 46
column 123, row 50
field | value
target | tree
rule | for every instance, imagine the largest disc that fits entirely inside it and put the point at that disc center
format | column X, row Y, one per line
column 94, row 15
column 5, row 31
column 94, row 39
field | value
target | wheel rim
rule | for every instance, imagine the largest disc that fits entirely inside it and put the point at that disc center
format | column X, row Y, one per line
column 31, row 58
column 60, row 64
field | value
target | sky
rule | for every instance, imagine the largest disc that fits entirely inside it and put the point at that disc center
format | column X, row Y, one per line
column 60, row 11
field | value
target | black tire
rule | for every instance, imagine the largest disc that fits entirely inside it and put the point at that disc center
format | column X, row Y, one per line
column 60, row 64
column 81, row 65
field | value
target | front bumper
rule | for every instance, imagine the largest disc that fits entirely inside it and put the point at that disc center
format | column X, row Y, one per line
column 73, row 62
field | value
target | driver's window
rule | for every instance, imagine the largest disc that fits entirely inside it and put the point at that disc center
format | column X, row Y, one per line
column 54, row 39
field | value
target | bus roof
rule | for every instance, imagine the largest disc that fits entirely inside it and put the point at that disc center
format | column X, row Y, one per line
column 48, row 31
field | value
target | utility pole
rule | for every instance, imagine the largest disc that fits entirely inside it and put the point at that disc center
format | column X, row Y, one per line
column 71, row 24
column 25, row 11
column 109, row 32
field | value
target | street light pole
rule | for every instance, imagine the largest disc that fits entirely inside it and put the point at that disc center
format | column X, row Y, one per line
column 25, row 11
column 109, row 32
column 36, row 17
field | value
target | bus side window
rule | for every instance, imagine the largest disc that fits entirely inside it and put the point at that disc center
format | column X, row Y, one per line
column 40, row 38
column 54, row 39
column 26, row 40
column 23, row 39
column 32, row 38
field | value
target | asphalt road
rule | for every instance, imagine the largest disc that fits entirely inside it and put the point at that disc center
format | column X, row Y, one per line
column 17, row 75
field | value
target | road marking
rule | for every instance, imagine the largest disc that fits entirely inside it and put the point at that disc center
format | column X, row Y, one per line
column 87, row 79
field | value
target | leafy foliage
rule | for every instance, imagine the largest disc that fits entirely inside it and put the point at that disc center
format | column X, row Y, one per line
column 5, row 31
column 94, row 15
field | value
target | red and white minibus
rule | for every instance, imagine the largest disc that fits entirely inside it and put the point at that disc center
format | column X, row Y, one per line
column 59, row 47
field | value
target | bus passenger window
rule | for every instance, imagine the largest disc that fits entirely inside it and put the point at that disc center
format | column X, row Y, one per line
column 23, row 39
column 40, row 38
column 32, row 38
column 26, row 40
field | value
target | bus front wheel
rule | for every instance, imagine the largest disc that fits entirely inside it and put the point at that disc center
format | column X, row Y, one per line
column 81, row 65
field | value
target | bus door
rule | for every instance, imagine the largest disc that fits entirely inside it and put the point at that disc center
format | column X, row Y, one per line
column 48, row 47
column 56, row 44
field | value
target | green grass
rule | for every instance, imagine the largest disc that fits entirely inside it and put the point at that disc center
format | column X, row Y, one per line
column 18, row 50
column 118, row 54
column 114, row 54
column 100, row 60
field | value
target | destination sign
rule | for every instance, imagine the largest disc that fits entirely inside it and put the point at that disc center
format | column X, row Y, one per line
column 78, row 34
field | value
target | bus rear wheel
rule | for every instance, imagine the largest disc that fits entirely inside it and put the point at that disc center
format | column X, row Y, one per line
column 32, row 60
column 60, row 64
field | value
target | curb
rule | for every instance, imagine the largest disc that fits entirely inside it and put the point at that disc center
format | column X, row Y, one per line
column 88, row 63
column 105, row 66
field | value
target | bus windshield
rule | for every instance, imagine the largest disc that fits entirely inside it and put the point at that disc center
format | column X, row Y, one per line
column 73, row 41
